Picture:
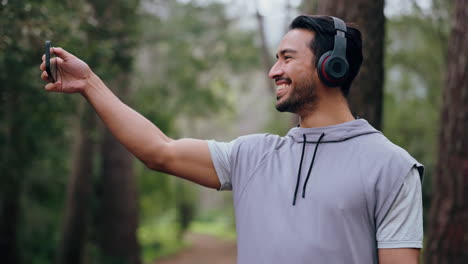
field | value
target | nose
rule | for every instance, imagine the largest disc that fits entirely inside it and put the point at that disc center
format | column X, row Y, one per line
column 276, row 70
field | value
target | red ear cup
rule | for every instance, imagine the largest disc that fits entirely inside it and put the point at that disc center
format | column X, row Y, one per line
column 332, row 70
column 321, row 68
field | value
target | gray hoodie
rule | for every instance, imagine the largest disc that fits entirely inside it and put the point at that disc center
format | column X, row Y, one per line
column 316, row 195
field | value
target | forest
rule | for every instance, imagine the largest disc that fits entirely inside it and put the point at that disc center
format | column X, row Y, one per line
column 71, row 193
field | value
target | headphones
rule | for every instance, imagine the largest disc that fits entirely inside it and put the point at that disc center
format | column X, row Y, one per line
column 332, row 66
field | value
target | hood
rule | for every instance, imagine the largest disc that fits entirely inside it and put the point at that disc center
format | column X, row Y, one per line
column 336, row 133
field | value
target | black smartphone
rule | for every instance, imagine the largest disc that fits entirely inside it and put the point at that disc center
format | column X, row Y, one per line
column 51, row 62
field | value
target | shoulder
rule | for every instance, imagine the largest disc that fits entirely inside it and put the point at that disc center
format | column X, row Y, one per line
column 378, row 154
column 250, row 150
column 378, row 147
column 259, row 142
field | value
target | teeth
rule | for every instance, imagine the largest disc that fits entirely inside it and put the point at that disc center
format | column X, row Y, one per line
column 282, row 86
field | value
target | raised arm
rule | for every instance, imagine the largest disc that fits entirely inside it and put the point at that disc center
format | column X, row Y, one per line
column 186, row 158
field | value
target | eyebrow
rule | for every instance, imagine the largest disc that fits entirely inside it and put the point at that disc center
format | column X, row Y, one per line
column 284, row 51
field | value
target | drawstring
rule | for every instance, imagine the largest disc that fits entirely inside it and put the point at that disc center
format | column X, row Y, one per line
column 299, row 173
column 310, row 168
column 311, row 165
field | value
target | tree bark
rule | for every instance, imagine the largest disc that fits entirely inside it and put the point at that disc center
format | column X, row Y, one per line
column 447, row 240
column 12, row 176
column 72, row 244
column 118, row 215
column 185, row 207
column 309, row 6
column 365, row 98
column 118, row 211
column 9, row 218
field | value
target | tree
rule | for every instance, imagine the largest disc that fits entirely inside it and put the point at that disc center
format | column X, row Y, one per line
column 74, row 234
column 192, row 65
column 116, row 33
column 413, row 83
column 448, row 231
column 31, row 133
column 109, row 35
column 366, row 94
column 36, row 128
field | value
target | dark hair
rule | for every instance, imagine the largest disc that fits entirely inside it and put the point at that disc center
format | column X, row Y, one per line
column 324, row 40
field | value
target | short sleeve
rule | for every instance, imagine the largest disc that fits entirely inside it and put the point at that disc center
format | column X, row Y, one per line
column 402, row 227
column 220, row 155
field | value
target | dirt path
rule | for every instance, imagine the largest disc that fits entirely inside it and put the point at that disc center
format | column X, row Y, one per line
column 204, row 249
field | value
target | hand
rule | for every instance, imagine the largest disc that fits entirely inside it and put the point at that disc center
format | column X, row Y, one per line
column 73, row 74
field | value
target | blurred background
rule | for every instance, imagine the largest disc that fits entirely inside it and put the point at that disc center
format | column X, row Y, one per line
column 69, row 193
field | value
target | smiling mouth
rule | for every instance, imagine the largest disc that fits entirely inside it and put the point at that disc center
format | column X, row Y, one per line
column 283, row 86
column 281, row 90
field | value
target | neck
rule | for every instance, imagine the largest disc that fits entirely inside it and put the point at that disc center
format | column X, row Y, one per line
column 331, row 109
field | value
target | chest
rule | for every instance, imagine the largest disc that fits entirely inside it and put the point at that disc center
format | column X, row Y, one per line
column 332, row 213
column 331, row 183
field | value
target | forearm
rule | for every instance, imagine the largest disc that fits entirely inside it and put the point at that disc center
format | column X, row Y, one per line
column 135, row 132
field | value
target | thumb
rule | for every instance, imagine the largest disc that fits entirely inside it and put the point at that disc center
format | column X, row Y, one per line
column 63, row 54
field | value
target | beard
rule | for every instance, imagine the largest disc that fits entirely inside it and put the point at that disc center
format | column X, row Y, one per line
column 300, row 97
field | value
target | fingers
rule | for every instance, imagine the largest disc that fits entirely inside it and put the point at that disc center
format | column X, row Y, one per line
column 62, row 53
column 53, row 87
column 57, row 60
column 42, row 66
column 44, row 76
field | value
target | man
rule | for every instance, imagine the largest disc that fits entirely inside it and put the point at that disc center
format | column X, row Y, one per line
column 334, row 190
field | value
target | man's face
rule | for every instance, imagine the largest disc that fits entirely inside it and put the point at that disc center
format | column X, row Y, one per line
column 294, row 74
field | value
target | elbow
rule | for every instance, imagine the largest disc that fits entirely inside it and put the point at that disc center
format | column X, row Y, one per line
column 156, row 164
column 158, row 160
column 153, row 165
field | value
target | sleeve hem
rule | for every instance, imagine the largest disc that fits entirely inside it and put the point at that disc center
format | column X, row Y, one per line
column 225, row 184
column 225, row 187
column 400, row 244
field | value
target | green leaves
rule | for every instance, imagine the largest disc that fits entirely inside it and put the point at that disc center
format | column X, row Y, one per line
column 183, row 60
column 415, row 66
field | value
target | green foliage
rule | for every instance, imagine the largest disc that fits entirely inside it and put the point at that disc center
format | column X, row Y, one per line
column 191, row 53
column 188, row 56
column 416, row 46
column 159, row 236
column 190, row 60
column 33, row 127
column 216, row 223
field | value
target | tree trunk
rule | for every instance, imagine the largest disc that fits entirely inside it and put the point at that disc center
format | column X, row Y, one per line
column 72, row 244
column 12, row 174
column 118, row 216
column 9, row 211
column 9, row 216
column 117, row 26
column 118, row 213
column 365, row 98
column 309, row 6
column 447, row 240
column 185, row 206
